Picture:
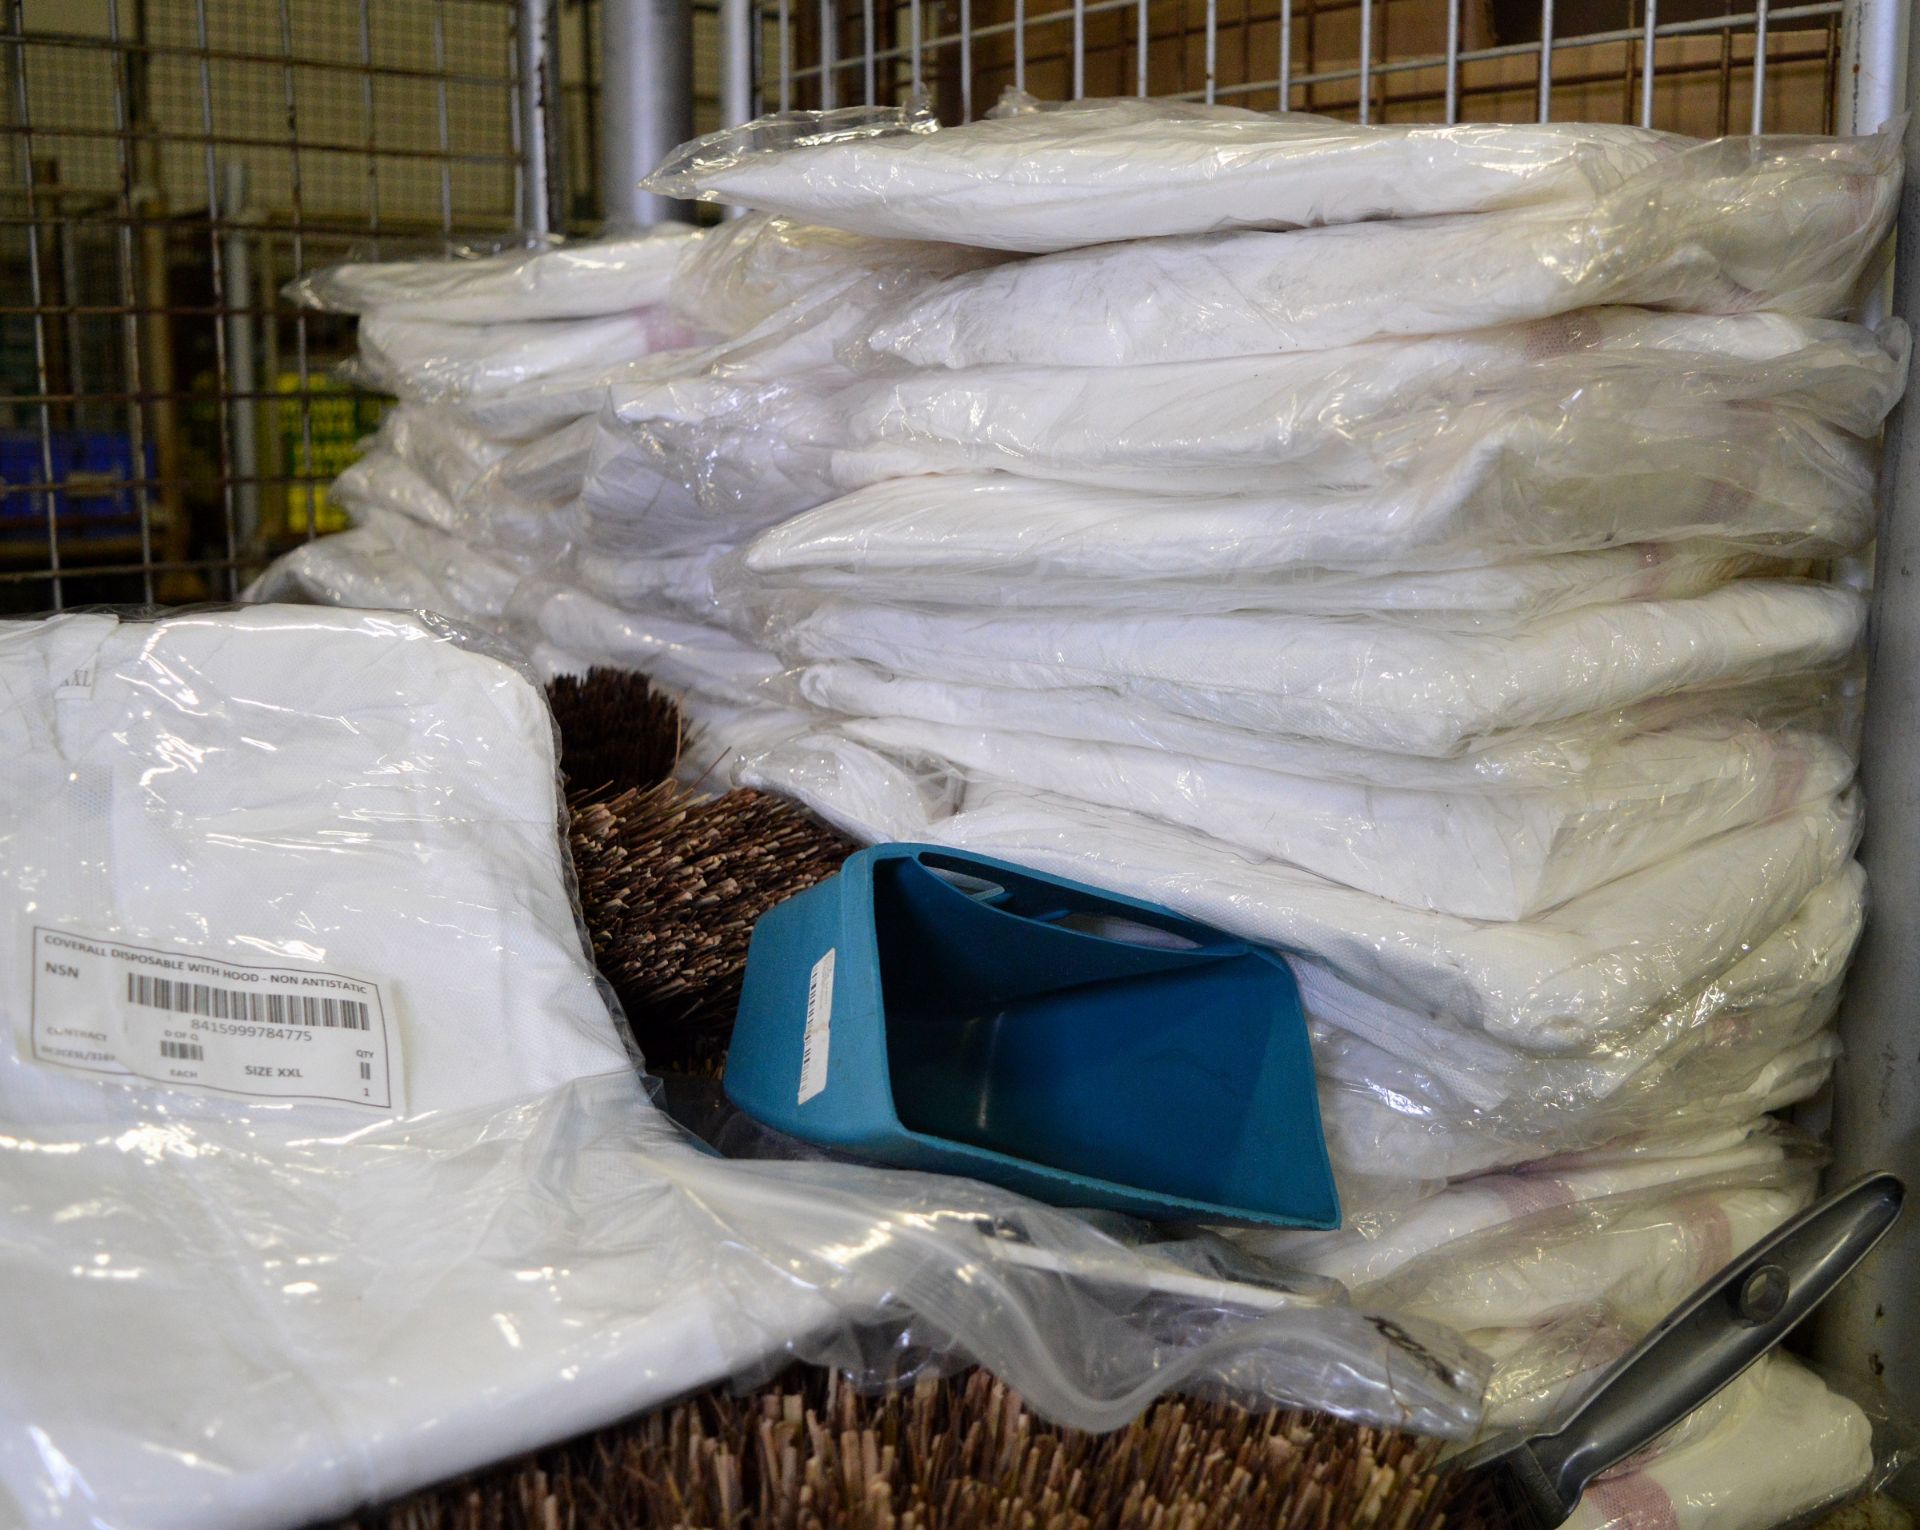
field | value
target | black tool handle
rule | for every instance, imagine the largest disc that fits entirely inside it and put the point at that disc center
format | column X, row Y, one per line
column 1710, row 1338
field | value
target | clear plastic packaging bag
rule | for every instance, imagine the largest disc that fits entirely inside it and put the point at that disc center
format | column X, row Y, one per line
column 1374, row 415
column 788, row 300
column 584, row 280
column 389, row 562
column 1731, row 226
column 1372, row 1247
column 1409, row 1091
column 1639, row 1254
column 999, row 539
column 674, row 463
column 1601, row 963
column 1477, row 855
column 661, row 483
column 526, row 414
column 1383, row 1146
column 364, row 568
column 1522, row 590
column 664, row 486
column 683, row 653
column 439, row 445
column 1391, row 683
column 1086, row 172
column 474, row 1283
column 440, row 1220
column 385, row 483
column 681, row 583
column 432, row 360
column 750, row 269
column 1634, row 747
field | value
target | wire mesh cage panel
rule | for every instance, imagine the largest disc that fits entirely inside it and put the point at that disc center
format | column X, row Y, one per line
column 1697, row 66
column 167, row 421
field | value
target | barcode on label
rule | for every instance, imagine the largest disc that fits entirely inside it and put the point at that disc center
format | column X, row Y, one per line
column 241, row 1004
column 183, row 1051
column 366, row 1070
column 818, row 1035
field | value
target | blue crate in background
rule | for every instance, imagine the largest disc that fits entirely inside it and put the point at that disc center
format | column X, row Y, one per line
column 92, row 470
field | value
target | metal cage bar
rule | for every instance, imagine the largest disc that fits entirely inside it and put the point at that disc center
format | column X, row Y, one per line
column 1870, row 1328
column 1403, row 60
column 167, row 422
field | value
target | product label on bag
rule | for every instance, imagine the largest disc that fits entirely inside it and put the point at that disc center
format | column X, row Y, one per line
column 199, row 1022
column 819, row 1032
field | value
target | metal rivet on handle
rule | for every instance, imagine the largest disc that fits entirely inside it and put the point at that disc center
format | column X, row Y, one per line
column 1762, row 1295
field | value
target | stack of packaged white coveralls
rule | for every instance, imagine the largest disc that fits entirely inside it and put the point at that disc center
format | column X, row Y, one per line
column 1405, row 546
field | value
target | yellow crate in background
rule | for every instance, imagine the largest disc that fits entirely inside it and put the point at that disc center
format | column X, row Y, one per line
column 338, row 419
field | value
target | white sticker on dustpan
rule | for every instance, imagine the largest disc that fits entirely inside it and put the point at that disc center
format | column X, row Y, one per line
column 813, row 1049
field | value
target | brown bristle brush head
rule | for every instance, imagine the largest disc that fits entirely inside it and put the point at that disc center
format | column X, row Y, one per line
column 810, row 1453
column 672, row 885
column 672, row 882
column 616, row 731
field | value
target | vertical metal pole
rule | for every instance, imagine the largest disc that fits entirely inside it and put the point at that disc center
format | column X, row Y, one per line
column 152, row 272
column 1366, row 60
column 1453, row 61
column 1874, row 77
column 369, row 117
column 1286, row 55
column 1020, row 45
column 736, row 62
column 23, row 116
column 829, row 56
column 1546, row 60
column 242, row 375
column 646, row 101
column 70, row 291
column 966, row 60
column 1651, row 35
column 1080, row 48
column 866, row 58
column 756, row 68
column 442, row 122
column 216, row 216
column 303, row 371
column 913, row 44
column 123, row 117
column 785, row 30
column 1213, row 47
column 1759, row 66
column 539, row 100
column 1869, row 1330
column 273, row 441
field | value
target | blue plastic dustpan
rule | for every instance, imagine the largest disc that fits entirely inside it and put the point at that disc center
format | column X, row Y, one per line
column 942, row 1011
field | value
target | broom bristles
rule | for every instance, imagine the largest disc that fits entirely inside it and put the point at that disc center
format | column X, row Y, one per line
column 671, row 882
column 672, row 885
column 812, row 1453
column 616, row 732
